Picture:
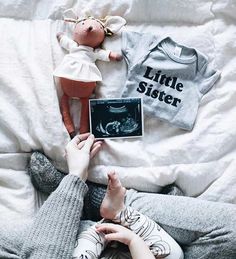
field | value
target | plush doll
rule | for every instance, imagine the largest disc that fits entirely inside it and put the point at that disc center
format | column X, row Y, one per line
column 78, row 73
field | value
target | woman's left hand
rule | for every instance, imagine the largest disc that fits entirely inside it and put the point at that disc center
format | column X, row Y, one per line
column 79, row 151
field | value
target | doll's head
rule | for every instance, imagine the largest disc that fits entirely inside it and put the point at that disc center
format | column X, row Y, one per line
column 90, row 31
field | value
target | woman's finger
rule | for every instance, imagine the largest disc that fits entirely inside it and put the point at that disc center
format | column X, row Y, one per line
column 88, row 143
column 98, row 143
column 81, row 144
column 79, row 138
column 83, row 140
column 95, row 148
column 107, row 227
column 83, row 136
column 112, row 236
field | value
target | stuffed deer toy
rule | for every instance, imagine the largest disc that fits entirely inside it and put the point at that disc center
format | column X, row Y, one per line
column 78, row 73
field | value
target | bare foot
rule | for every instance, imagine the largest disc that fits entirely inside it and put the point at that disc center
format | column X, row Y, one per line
column 113, row 201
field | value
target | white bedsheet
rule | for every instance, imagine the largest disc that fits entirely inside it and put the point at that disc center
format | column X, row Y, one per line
column 201, row 162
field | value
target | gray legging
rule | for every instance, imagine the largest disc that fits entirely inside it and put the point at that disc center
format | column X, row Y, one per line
column 205, row 229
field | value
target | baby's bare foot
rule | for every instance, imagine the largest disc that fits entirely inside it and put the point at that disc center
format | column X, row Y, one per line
column 113, row 201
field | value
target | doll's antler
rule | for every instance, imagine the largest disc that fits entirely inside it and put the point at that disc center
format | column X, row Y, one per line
column 70, row 16
column 108, row 32
column 112, row 24
column 70, row 20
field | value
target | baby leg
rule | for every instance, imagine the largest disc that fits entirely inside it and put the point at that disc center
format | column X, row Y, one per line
column 90, row 244
column 160, row 242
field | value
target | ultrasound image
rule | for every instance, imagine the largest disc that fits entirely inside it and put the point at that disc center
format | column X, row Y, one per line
column 116, row 118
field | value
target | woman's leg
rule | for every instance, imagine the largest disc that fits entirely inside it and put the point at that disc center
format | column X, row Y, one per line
column 204, row 229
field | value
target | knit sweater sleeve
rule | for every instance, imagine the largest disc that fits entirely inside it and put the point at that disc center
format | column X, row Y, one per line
column 54, row 231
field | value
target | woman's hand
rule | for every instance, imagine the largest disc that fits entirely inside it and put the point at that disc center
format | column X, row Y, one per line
column 79, row 151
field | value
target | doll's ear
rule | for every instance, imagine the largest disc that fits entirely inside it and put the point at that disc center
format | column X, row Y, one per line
column 113, row 24
column 70, row 15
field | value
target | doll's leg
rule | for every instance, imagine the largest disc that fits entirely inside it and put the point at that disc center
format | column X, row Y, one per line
column 90, row 244
column 84, row 118
column 65, row 110
column 85, row 90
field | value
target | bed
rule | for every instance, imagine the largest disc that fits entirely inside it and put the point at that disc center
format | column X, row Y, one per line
column 201, row 162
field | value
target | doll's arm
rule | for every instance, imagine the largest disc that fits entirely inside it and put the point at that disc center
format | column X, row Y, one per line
column 107, row 55
column 115, row 56
column 65, row 42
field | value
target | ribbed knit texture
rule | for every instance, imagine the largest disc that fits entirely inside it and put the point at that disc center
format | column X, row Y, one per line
column 93, row 201
column 46, row 178
column 11, row 237
column 54, row 231
column 43, row 174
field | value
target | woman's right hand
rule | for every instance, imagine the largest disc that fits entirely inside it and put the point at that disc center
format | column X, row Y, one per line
column 79, row 151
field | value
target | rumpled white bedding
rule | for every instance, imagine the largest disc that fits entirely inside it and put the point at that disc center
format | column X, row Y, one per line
column 201, row 162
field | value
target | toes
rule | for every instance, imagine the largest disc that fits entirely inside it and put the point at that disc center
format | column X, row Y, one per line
column 114, row 181
column 124, row 190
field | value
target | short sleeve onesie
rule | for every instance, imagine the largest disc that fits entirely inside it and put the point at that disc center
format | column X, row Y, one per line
column 171, row 78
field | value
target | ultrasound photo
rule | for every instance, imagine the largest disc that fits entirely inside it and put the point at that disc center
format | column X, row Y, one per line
column 116, row 118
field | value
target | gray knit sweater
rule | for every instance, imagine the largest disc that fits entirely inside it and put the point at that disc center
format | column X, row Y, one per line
column 53, row 232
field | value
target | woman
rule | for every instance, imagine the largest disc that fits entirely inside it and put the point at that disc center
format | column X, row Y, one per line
column 204, row 229
column 53, row 232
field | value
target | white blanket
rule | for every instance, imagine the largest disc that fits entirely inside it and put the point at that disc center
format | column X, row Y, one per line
column 201, row 162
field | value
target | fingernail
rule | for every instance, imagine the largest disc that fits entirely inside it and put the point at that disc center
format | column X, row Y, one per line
column 91, row 136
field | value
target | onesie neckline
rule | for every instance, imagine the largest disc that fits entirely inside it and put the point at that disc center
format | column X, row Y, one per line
column 166, row 45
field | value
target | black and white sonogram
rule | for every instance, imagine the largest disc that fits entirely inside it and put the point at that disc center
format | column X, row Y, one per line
column 116, row 118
